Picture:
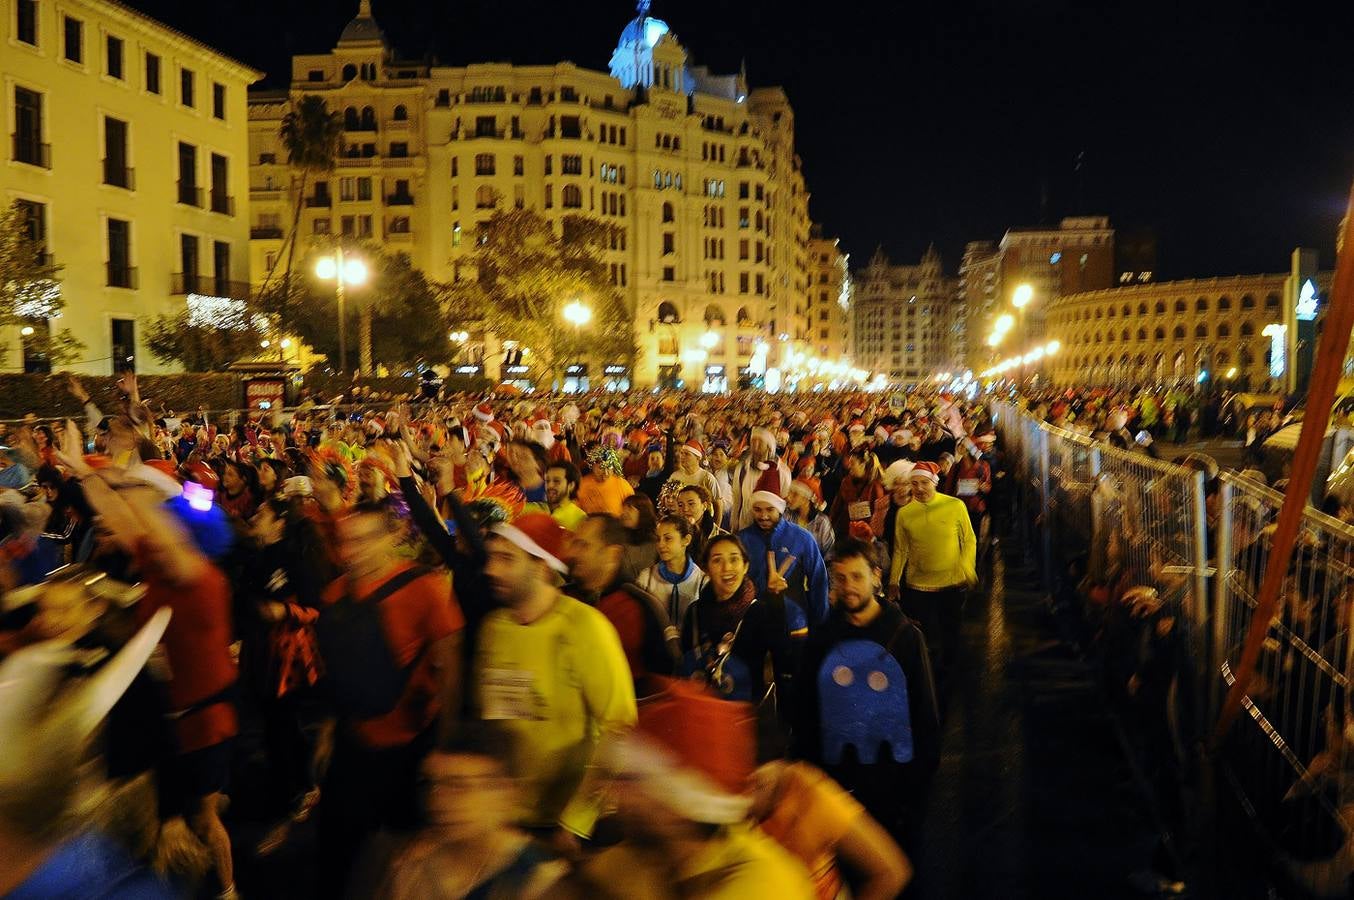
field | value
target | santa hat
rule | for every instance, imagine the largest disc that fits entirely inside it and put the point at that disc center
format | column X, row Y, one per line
column 766, row 436
column 770, row 497
column 857, row 427
column 809, row 487
column 898, row 469
column 927, row 470
column 695, row 753
column 694, row 447
column 484, row 412
column 543, row 433
column 539, row 535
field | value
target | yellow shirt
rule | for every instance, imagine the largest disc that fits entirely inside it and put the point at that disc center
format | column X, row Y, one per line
column 741, row 864
column 811, row 815
column 596, row 496
column 935, row 541
column 568, row 514
column 558, row 685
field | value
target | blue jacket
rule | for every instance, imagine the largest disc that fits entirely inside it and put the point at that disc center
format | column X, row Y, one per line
column 806, row 597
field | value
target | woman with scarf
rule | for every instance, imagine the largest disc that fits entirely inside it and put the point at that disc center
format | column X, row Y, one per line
column 728, row 632
column 675, row 578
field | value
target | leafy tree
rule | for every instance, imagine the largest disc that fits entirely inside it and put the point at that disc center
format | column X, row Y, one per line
column 30, row 289
column 524, row 274
column 312, row 136
column 409, row 322
column 202, row 344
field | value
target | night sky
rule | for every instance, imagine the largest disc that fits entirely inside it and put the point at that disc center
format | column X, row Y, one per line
column 1229, row 130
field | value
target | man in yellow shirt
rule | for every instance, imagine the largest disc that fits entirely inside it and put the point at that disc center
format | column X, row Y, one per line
column 552, row 670
column 934, row 563
column 561, row 484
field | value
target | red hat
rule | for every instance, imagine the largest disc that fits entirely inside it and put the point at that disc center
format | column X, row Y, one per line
column 927, row 470
column 695, row 752
column 203, row 474
column 539, row 535
column 694, row 446
column 809, row 487
column 484, row 412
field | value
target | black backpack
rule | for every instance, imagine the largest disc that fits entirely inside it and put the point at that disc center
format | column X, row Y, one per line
column 662, row 650
column 364, row 679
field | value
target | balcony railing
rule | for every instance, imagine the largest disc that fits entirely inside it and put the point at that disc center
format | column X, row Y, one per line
column 118, row 175
column 399, row 200
column 265, row 233
column 319, row 200
column 223, row 203
column 360, row 126
column 28, row 149
column 190, row 194
column 121, row 276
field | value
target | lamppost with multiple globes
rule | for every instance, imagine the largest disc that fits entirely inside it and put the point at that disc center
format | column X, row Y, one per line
column 343, row 270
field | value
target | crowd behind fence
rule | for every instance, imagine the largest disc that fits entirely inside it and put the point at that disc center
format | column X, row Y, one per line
column 1157, row 567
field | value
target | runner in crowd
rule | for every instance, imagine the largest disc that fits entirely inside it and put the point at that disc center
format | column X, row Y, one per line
column 384, row 559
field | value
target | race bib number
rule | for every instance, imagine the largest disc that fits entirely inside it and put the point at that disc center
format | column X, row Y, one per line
column 508, row 694
column 967, row 487
column 859, row 510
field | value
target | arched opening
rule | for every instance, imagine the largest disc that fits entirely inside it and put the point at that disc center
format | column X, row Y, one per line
column 1142, row 309
column 1201, row 305
column 350, row 122
column 1201, row 330
column 1179, row 333
column 714, row 315
column 1271, row 301
column 571, row 197
column 1247, row 329
column 368, row 119
column 1224, row 330
column 1125, row 311
column 742, row 318
column 667, row 312
column 1245, row 357
column 1224, row 303
column 1248, row 302
column 401, row 113
column 1142, row 334
column 1125, row 336
column 349, row 72
column 1161, row 307
column 1180, row 305
column 1159, row 334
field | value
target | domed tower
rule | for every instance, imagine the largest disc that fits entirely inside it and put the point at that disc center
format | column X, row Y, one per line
column 648, row 55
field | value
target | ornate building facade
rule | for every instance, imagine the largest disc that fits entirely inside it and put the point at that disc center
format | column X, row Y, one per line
column 696, row 172
column 1178, row 331
column 829, row 302
column 901, row 318
column 129, row 155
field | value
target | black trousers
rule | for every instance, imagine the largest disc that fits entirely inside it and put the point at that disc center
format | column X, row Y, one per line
column 364, row 791
column 938, row 614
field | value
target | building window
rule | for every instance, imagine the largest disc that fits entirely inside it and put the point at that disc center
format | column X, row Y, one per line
column 186, row 85
column 549, row 165
column 218, row 101
column 453, row 167
column 484, row 164
column 115, row 170
column 221, row 200
column 518, row 165
column 399, row 149
column 519, row 197
column 485, row 197
column 75, row 40
column 571, row 164
column 321, row 226
column 667, row 212
column 26, row 21
column 119, row 253
column 549, row 197
column 188, row 192
column 742, row 282
column 364, row 188
column 571, row 197
column 669, row 243
column 486, row 126
column 188, row 263
column 315, row 75
column 669, row 273
column 152, row 73
column 28, row 145
column 401, row 113
column 455, row 234
column 221, row 268
column 113, row 57
column 123, row 340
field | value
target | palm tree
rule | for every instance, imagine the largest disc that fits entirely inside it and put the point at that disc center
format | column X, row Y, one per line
column 312, row 136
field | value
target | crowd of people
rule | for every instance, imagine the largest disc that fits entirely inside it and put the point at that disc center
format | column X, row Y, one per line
column 647, row 645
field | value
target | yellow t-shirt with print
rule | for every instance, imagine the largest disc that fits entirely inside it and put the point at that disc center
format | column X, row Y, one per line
column 558, row 685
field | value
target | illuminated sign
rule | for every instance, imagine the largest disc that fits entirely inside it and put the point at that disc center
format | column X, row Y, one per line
column 576, row 369
column 615, row 370
column 1306, row 308
column 1275, row 333
column 468, row 370
column 515, row 370
column 714, row 371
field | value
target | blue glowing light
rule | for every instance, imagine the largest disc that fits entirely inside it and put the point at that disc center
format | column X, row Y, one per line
column 1055, row 258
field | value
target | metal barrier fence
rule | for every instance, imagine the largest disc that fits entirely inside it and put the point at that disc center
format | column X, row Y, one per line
column 1101, row 521
column 1288, row 758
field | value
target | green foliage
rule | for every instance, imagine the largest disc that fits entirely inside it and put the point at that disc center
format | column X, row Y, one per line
column 409, row 324
column 524, row 274
column 199, row 347
column 47, row 396
column 30, row 286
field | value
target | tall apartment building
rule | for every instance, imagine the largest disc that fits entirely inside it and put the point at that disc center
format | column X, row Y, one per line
column 696, row 172
column 899, row 316
column 128, row 151
column 829, row 304
column 1076, row 256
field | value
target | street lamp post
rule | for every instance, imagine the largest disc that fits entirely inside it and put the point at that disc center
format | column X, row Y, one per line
column 343, row 270
column 577, row 313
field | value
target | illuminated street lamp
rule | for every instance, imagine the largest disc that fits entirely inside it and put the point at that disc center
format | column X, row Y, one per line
column 1024, row 293
column 1005, row 322
column 342, row 271
column 578, row 314
column 709, row 339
